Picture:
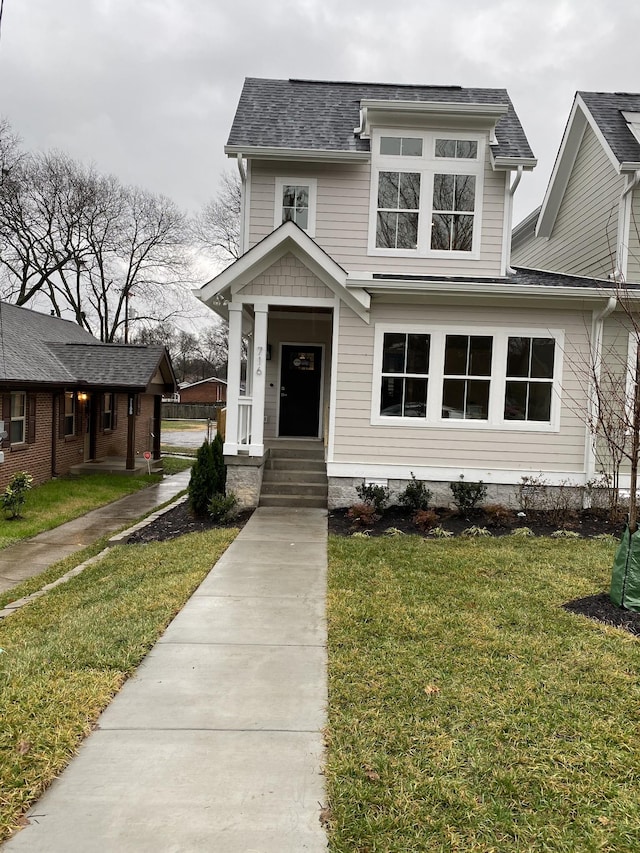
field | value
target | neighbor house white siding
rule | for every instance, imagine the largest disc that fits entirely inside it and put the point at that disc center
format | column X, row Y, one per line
column 584, row 237
column 414, row 445
column 342, row 219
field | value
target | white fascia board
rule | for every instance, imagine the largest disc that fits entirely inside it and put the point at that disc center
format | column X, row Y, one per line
column 287, row 238
column 310, row 155
column 629, row 166
column 374, row 112
column 488, row 290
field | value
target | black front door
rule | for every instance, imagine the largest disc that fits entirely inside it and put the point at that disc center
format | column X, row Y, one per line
column 300, row 378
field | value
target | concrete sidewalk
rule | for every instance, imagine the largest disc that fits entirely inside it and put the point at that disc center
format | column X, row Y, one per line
column 215, row 744
column 32, row 556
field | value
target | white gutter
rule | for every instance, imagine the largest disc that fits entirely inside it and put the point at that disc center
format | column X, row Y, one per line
column 597, row 326
column 624, row 224
column 244, row 203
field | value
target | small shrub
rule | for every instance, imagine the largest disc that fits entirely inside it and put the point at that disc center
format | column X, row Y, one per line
column 467, row 495
column 425, row 519
column 222, row 507
column 497, row 514
column 363, row 514
column 560, row 504
column 522, row 532
column 371, row 493
column 393, row 531
column 15, row 494
column 531, row 493
column 476, row 531
column 440, row 533
column 416, row 495
column 565, row 534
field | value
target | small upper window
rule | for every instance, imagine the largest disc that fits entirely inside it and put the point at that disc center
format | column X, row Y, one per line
column 401, row 146
column 457, row 149
column 296, row 202
column 18, row 418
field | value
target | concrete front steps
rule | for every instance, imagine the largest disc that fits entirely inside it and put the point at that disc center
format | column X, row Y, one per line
column 295, row 475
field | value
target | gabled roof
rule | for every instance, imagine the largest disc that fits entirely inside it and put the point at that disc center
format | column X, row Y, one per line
column 184, row 385
column 288, row 237
column 321, row 116
column 37, row 349
column 604, row 113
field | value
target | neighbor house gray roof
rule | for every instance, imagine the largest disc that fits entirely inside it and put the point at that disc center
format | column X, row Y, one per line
column 606, row 109
column 37, row 349
column 322, row 115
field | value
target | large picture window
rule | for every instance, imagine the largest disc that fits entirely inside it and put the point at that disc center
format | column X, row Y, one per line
column 405, row 375
column 426, row 193
column 436, row 375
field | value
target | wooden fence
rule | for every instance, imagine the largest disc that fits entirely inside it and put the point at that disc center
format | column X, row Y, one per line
column 191, row 411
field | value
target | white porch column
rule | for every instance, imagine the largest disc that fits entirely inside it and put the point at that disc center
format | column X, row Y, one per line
column 261, row 313
column 233, row 378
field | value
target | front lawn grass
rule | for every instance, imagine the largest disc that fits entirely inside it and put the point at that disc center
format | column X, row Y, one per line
column 57, row 501
column 468, row 710
column 174, row 465
column 169, row 425
column 66, row 654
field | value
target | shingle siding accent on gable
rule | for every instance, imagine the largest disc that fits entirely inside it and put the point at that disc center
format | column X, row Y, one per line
column 584, row 237
column 357, row 441
column 288, row 276
column 342, row 219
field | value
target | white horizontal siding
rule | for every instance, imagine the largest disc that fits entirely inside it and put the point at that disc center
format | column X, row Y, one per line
column 584, row 236
column 633, row 265
column 342, row 219
column 358, row 441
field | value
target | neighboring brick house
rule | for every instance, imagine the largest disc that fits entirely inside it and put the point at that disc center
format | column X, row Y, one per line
column 206, row 391
column 68, row 399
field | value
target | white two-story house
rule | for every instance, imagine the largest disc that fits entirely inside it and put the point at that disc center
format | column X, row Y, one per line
column 385, row 321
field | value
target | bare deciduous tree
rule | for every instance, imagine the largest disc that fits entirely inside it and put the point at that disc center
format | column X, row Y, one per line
column 217, row 226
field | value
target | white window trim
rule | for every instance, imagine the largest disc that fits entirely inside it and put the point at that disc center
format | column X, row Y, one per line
column 427, row 166
column 498, row 378
column 299, row 181
column 23, row 418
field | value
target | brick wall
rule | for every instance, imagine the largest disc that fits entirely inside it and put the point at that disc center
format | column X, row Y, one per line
column 36, row 458
column 205, row 392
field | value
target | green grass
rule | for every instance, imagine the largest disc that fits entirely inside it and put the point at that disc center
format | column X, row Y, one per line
column 468, row 710
column 65, row 655
column 57, row 501
column 174, row 465
column 168, row 449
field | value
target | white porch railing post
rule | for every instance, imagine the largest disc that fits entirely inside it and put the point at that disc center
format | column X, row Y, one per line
column 233, row 378
column 261, row 313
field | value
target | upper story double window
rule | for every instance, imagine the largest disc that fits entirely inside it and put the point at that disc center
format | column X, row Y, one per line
column 426, row 194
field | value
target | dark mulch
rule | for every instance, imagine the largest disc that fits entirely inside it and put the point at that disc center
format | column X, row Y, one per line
column 178, row 521
column 586, row 523
column 602, row 609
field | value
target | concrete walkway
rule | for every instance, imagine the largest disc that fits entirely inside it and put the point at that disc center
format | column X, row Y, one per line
column 215, row 744
column 32, row 556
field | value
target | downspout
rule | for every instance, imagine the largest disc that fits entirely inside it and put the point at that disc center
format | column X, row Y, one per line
column 243, row 202
column 597, row 326
column 508, row 220
column 624, row 221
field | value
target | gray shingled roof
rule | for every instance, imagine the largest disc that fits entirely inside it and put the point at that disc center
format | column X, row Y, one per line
column 606, row 109
column 322, row 115
column 39, row 349
column 520, row 277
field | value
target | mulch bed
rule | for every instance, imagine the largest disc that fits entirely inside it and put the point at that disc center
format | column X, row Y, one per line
column 179, row 520
column 586, row 523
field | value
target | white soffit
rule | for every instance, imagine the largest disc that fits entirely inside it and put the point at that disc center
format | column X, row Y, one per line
column 633, row 123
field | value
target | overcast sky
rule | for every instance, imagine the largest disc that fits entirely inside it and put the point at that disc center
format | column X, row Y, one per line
column 147, row 89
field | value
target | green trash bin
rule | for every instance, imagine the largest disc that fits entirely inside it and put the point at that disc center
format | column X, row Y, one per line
column 625, row 578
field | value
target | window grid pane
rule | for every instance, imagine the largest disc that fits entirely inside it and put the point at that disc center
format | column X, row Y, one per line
column 466, row 357
column 451, row 230
column 402, row 392
column 530, row 364
column 398, row 204
column 295, row 204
